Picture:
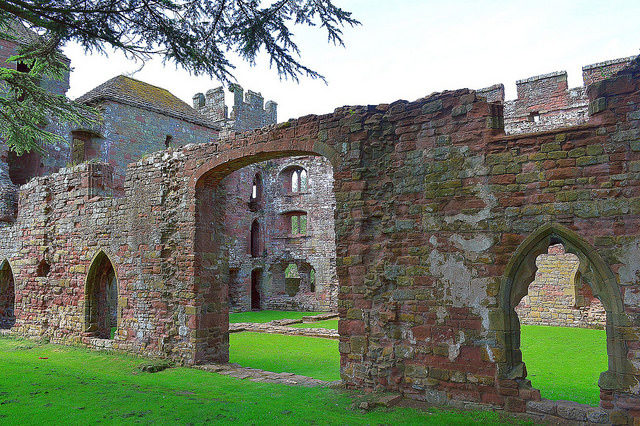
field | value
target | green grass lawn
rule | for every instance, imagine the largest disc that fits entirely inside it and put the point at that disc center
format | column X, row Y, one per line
column 309, row 356
column 78, row 386
column 332, row 324
column 565, row 362
column 266, row 316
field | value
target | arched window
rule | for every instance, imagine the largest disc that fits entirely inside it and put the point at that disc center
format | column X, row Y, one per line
column 256, row 190
column 255, row 238
column 539, row 287
column 295, row 179
column 292, row 279
column 101, row 298
column 256, row 193
column 7, row 296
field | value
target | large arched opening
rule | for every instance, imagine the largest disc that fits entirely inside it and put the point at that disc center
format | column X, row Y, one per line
column 593, row 272
column 7, row 296
column 101, row 299
column 213, row 269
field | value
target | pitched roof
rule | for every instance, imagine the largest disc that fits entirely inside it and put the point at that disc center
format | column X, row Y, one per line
column 129, row 91
column 18, row 31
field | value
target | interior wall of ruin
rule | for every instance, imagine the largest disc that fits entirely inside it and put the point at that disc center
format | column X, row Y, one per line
column 278, row 248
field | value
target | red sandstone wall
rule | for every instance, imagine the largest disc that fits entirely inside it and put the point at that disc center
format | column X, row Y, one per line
column 602, row 70
column 438, row 218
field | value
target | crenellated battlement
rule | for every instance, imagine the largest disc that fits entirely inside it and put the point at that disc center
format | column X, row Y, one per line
column 545, row 102
column 249, row 111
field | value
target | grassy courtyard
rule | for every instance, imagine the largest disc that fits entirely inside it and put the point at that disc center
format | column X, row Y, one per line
column 49, row 384
column 44, row 383
column 266, row 316
column 563, row 362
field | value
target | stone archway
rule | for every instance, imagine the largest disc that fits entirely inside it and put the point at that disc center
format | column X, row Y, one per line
column 7, row 296
column 520, row 272
column 211, row 264
column 101, row 298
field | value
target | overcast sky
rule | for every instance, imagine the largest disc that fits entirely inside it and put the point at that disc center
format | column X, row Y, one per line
column 406, row 49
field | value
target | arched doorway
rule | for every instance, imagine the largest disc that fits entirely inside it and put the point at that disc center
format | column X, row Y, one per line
column 256, row 278
column 101, row 298
column 7, row 296
column 594, row 272
column 212, row 260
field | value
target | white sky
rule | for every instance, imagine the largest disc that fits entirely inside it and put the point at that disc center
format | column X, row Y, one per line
column 406, row 49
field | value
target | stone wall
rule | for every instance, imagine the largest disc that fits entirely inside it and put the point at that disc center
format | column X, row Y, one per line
column 557, row 297
column 248, row 111
column 439, row 220
column 65, row 221
column 129, row 133
column 545, row 102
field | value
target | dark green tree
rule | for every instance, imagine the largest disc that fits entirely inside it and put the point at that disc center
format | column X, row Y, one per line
column 201, row 36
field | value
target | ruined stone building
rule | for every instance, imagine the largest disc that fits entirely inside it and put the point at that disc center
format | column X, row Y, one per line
column 545, row 102
column 279, row 234
column 439, row 223
column 140, row 118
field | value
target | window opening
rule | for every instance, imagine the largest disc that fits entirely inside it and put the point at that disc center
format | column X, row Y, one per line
column 299, row 224
column 292, row 279
column 255, row 238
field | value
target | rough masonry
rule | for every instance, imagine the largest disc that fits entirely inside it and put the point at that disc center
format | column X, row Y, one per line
column 439, row 219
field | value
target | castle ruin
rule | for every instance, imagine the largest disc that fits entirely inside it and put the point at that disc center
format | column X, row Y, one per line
column 440, row 217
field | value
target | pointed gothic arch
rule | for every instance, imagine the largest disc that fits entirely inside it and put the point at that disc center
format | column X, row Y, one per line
column 594, row 271
column 101, row 310
column 7, row 296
